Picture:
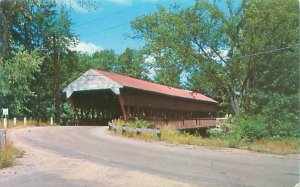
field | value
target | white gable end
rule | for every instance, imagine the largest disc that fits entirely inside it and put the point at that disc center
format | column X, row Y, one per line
column 92, row 80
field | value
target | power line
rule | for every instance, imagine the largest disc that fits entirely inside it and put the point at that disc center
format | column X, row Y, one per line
column 238, row 57
column 109, row 15
column 106, row 29
column 116, row 13
column 269, row 51
column 109, row 28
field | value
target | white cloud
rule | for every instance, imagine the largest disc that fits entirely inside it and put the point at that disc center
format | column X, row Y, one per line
column 89, row 48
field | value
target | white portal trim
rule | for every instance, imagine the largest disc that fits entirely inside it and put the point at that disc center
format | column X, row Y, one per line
column 92, row 80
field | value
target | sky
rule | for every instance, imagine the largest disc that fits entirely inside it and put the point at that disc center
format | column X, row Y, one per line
column 108, row 27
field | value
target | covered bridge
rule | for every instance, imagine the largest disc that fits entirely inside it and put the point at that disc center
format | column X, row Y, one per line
column 98, row 96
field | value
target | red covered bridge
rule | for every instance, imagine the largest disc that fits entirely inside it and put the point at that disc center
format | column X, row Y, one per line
column 98, row 96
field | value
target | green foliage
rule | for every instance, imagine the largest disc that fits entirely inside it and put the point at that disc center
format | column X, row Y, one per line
column 105, row 60
column 67, row 113
column 247, row 128
column 215, row 132
column 282, row 113
column 250, row 128
column 220, row 47
column 217, row 48
column 285, row 130
column 140, row 123
column 41, row 27
column 18, row 74
column 136, row 123
column 169, row 76
column 130, row 63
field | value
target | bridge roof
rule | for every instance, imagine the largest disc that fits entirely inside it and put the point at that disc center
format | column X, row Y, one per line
column 130, row 82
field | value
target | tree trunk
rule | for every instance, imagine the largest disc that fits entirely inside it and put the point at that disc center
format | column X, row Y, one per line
column 248, row 86
column 247, row 98
column 57, row 80
column 235, row 101
column 235, row 104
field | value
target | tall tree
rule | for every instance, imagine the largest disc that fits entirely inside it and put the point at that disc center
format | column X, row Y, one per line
column 218, row 41
column 9, row 20
column 42, row 25
column 105, row 60
column 130, row 63
column 16, row 77
column 167, row 72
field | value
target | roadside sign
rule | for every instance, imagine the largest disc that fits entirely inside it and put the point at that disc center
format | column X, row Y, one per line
column 5, row 111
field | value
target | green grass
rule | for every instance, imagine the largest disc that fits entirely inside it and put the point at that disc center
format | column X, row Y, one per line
column 283, row 146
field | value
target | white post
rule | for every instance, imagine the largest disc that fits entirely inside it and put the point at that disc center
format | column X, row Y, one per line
column 5, row 122
column 51, row 121
column 15, row 121
column 25, row 120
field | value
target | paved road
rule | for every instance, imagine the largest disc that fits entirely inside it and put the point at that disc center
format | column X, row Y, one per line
column 93, row 147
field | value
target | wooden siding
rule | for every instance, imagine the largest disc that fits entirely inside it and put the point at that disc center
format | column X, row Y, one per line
column 144, row 99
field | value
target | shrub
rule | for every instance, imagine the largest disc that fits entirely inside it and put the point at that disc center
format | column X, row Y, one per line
column 221, row 130
column 215, row 132
column 284, row 129
column 139, row 123
column 250, row 128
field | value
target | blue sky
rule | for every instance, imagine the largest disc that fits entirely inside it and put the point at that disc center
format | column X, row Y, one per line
column 107, row 27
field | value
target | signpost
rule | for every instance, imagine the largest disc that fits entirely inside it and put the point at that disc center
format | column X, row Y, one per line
column 5, row 113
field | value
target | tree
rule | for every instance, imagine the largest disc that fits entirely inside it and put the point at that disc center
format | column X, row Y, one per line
column 8, row 12
column 43, row 26
column 17, row 74
column 54, row 37
column 130, row 63
column 105, row 60
column 223, row 45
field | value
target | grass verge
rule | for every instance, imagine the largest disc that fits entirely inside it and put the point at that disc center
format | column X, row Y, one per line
column 8, row 153
column 10, row 123
column 283, row 146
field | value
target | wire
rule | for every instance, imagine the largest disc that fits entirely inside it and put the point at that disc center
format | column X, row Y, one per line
column 113, row 27
column 238, row 57
column 115, row 13
column 106, row 29
column 266, row 52
column 109, row 15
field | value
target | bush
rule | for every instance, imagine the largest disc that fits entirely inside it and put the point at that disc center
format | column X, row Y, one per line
column 221, row 130
column 285, row 129
column 67, row 113
column 215, row 132
column 261, row 126
column 250, row 128
column 139, row 123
